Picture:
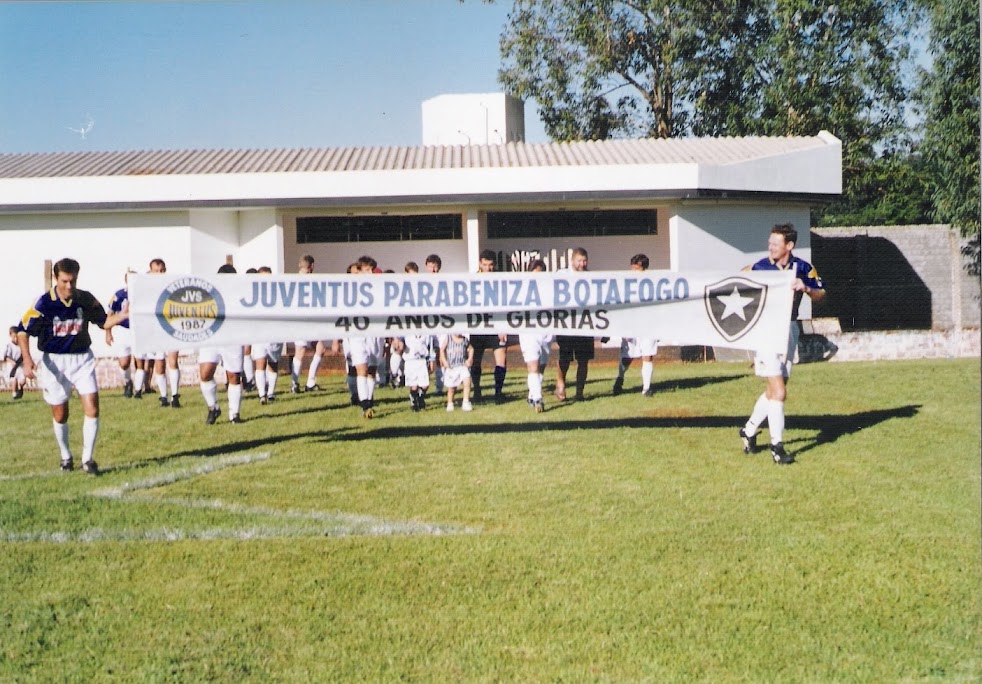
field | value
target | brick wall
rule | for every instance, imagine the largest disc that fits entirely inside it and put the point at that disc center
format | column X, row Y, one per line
column 895, row 278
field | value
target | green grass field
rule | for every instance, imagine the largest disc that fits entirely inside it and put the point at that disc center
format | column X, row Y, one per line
column 615, row 539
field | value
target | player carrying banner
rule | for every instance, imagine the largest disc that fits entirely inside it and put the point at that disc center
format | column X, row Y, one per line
column 776, row 368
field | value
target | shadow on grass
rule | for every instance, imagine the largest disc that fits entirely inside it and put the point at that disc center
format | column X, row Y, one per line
column 829, row 428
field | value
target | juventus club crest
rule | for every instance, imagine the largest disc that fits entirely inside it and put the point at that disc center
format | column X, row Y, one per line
column 734, row 306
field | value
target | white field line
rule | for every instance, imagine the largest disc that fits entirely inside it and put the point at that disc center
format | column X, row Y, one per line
column 296, row 523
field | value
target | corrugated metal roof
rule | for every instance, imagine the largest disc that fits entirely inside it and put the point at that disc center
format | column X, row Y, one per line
column 707, row 151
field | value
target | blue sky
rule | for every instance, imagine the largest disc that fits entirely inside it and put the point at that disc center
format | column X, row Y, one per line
column 247, row 74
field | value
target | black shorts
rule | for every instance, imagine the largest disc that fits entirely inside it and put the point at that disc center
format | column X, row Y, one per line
column 482, row 342
column 571, row 347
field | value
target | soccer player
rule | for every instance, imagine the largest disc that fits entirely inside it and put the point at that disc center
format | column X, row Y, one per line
column 572, row 347
column 306, row 265
column 266, row 359
column 173, row 370
column 498, row 343
column 535, row 353
column 776, row 368
column 231, row 358
column 60, row 320
column 644, row 348
column 121, row 342
column 364, row 354
column 433, row 264
column 13, row 353
column 417, row 356
column 456, row 357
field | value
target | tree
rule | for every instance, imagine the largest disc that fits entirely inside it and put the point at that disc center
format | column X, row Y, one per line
column 951, row 135
column 609, row 68
column 671, row 68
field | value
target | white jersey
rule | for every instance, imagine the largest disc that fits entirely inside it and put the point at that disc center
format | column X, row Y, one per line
column 12, row 352
column 418, row 347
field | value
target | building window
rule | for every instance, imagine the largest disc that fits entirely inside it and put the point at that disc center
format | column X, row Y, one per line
column 386, row 228
column 563, row 224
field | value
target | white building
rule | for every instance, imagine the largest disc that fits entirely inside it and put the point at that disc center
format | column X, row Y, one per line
column 687, row 203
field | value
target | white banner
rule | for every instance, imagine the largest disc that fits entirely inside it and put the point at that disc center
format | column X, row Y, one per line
column 747, row 310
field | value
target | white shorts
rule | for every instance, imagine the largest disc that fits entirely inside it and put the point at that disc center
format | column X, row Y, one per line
column 272, row 351
column 773, row 365
column 535, row 348
column 122, row 345
column 417, row 373
column 229, row 357
column 637, row 347
column 455, row 377
column 58, row 373
column 364, row 351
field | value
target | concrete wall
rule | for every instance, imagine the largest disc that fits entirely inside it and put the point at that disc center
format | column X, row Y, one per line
column 105, row 245
column 729, row 236
column 895, row 278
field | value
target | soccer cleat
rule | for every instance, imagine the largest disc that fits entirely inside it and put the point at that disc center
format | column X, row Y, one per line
column 90, row 467
column 368, row 413
column 18, row 393
column 270, row 397
column 175, row 401
column 312, row 388
column 648, row 393
column 539, row 406
column 618, row 386
column 263, row 400
column 128, row 389
column 499, row 397
column 138, row 394
column 749, row 442
column 213, row 414
column 780, row 456
column 295, row 389
column 579, row 396
column 466, row 406
column 235, row 419
column 449, row 408
column 355, row 401
column 249, row 386
column 422, row 402
column 67, row 465
column 164, row 403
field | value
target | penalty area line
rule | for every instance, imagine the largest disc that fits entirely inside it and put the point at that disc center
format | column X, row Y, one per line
column 298, row 523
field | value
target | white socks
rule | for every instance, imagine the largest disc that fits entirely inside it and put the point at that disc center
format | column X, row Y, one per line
column 775, row 420
column 271, row 376
column 174, row 380
column 315, row 363
column 535, row 386
column 161, row 381
column 295, row 368
column 61, row 436
column 234, row 399
column 647, row 371
column 773, row 412
column 209, row 390
column 90, row 430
